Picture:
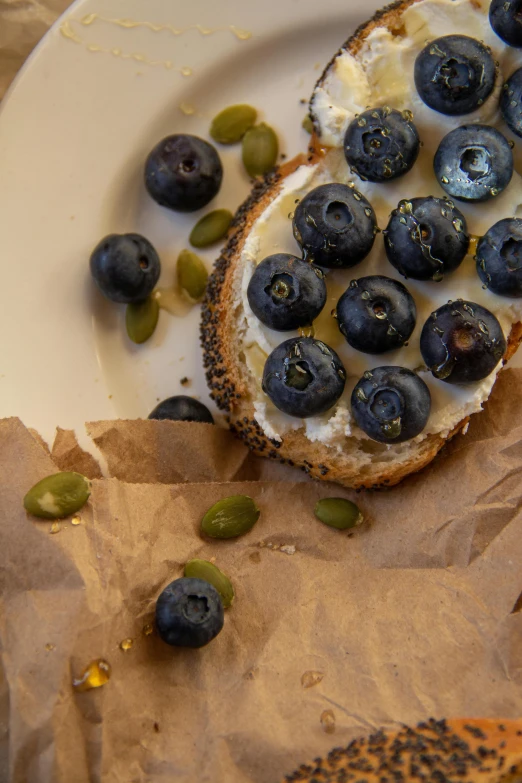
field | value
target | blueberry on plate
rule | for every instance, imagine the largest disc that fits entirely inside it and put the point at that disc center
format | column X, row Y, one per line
column 182, row 408
column 183, row 173
column 499, row 258
column 511, row 102
column 189, row 613
column 303, row 377
column 391, row 404
column 285, row 292
column 462, row 342
column 376, row 314
column 125, row 267
column 381, row 144
column 426, row 237
column 474, row 163
column 335, row 226
column 506, row 21
column 454, row 74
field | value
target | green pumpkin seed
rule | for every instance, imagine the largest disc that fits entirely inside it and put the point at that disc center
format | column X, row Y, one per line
column 58, row 495
column 231, row 124
column 211, row 228
column 230, row 517
column 141, row 319
column 307, row 124
column 260, row 149
column 338, row 512
column 202, row 569
column 192, row 275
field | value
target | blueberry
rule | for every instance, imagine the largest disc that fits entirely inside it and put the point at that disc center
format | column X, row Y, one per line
column 499, row 258
column 474, row 163
column 511, row 102
column 182, row 408
column 376, row 314
column 303, row 377
column 189, row 613
column 335, row 226
column 506, row 21
column 183, row 173
column 125, row 267
column 286, row 293
column 462, row 342
column 381, row 144
column 391, row 404
column 426, row 237
column 455, row 74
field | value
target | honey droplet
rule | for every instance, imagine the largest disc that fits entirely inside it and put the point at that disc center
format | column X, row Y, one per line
column 306, row 331
column 50, row 647
column 186, row 71
column 473, row 242
column 148, row 629
column 126, row 644
column 311, row 678
column 76, row 521
column 96, row 674
column 55, row 528
column 187, row 108
column 328, row 721
column 445, row 180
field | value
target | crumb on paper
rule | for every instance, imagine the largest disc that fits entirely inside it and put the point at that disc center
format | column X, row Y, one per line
column 50, row 647
column 212, row 560
column 255, row 557
column 185, row 381
column 156, row 727
column 288, row 549
column 55, row 528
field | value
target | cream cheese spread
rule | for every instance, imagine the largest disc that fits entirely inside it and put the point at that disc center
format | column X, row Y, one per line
column 382, row 74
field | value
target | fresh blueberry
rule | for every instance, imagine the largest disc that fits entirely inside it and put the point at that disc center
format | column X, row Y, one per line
column 391, row 404
column 474, row 163
column 285, row 292
column 189, row 613
column 511, row 102
column 182, row 408
column 376, row 314
column 462, row 342
column 426, row 237
column 381, row 144
column 455, row 74
column 303, row 377
column 506, row 21
column 125, row 267
column 499, row 258
column 183, row 173
column 335, row 226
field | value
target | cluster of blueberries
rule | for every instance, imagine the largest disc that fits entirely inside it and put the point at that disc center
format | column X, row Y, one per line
column 425, row 238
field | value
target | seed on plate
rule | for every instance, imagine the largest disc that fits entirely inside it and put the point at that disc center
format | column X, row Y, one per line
column 231, row 124
column 338, row 512
column 203, row 569
column 230, row 517
column 58, row 495
column 307, row 124
column 260, row 150
column 141, row 319
column 192, row 275
column 211, row 228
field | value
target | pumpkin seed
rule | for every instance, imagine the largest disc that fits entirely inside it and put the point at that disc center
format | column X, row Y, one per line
column 202, row 569
column 260, row 149
column 58, row 495
column 211, row 228
column 141, row 319
column 307, row 124
column 230, row 517
column 231, row 124
column 192, row 275
column 338, row 512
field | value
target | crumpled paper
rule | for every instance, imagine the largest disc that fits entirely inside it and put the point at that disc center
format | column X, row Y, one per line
column 332, row 634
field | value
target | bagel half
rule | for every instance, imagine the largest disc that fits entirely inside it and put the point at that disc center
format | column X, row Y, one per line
column 359, row 462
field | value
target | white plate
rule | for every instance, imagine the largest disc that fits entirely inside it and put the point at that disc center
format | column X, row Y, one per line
column 74, row 132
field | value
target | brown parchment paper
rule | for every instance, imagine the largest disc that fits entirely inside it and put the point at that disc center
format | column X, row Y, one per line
column 412, row 614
